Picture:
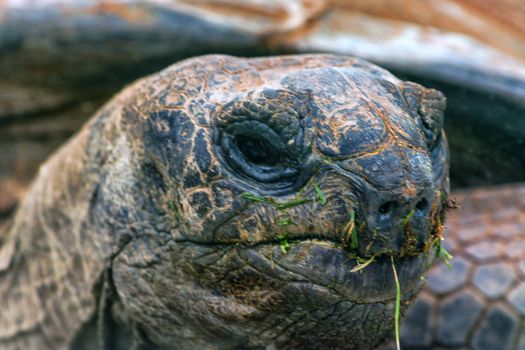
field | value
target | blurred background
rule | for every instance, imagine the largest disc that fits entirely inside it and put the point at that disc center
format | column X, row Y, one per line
column 60, row 60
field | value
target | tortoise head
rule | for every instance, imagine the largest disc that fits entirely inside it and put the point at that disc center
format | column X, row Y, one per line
column 264, row 184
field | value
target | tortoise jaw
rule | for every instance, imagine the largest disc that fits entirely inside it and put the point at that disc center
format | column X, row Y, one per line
column 359, row 243
column 327, row 264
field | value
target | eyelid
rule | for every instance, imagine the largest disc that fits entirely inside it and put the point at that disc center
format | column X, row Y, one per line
column 239, row 112
column 249, row 168
column 257, row 128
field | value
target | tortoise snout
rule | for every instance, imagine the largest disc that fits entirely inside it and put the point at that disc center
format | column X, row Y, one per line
column 396, row 225
column 389, row 209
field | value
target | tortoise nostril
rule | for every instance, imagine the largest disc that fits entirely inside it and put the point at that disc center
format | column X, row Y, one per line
column 387, row 207
column 422, row 204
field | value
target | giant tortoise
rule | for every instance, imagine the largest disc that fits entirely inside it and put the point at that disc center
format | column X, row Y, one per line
column 233, row 203
column 59, row 59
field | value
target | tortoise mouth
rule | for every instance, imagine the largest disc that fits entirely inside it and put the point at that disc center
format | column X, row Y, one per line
column 318, row 262
column 361, row 250
column 326, row 264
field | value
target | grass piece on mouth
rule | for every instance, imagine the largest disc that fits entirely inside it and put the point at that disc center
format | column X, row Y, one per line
column 442, row 253
column 362, row 263
column 285, row 222
column 254, row 198
column 407, row 218
column 173, row 207
column 283, row 243
column 398, row 303
column 320, row 195
column 292, row 203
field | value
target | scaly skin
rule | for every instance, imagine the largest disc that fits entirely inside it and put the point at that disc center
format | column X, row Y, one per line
column 153, row 227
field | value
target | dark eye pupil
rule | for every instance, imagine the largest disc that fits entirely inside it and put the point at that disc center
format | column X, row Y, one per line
column 257, row 151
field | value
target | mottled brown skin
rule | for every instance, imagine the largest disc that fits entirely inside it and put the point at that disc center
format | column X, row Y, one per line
column 139, row 232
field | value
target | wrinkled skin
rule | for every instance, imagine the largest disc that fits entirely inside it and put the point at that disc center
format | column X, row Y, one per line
column 161, row 223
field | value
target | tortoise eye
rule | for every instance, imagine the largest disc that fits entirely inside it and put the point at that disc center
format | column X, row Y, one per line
column 261, row 141
column 253, row 151
column 258, row 151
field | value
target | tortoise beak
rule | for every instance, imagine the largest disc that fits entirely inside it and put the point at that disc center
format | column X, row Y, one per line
column 397, row 224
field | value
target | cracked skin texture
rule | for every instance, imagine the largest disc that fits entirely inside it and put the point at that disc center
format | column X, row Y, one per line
column 139, row 231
